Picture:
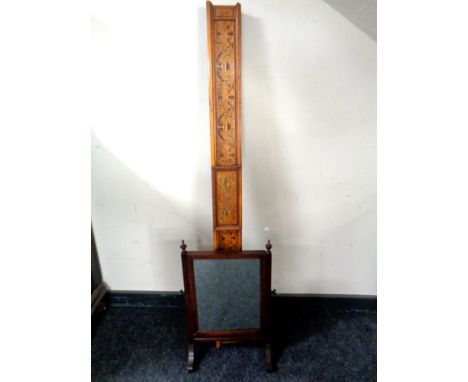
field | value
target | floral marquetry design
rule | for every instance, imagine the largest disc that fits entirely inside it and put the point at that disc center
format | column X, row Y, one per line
column 229, row 240
column 225, row 92
column 224, row 45
column 226, row 197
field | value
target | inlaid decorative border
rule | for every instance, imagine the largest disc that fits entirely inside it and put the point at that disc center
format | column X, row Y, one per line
column 224, row 58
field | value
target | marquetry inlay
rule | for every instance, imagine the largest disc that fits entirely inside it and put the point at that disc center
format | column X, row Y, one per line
column 225, row 90
column 228, row 239
column 224, row 57
column 226, row 193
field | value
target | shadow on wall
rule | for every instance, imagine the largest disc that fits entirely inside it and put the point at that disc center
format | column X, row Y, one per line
column 137, row 229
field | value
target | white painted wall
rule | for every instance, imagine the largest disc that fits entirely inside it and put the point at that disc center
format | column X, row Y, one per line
column 309, row 142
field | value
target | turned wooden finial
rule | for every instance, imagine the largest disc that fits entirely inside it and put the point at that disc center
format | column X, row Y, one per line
column 268, row 246
column 183, row 246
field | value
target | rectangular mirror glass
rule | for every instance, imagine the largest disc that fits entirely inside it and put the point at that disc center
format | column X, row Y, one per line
column 227, row 293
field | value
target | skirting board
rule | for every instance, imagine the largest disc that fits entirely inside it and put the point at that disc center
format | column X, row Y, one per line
column 145, row 299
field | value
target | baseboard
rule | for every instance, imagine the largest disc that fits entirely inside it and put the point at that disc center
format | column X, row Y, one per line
column 146, row 299
column 326, row 301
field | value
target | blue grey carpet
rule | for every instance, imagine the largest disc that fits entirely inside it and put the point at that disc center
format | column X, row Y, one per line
column 149, row 344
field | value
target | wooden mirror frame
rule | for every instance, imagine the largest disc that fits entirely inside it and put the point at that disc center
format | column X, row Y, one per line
column 262, row 334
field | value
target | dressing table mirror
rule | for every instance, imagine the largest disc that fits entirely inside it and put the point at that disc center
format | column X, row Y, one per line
column 227, row 290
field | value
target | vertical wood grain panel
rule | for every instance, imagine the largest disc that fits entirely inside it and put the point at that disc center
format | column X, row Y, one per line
column 223, row 24
column 226, row 194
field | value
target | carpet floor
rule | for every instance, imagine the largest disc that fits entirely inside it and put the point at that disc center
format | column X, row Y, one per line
column 149, row 344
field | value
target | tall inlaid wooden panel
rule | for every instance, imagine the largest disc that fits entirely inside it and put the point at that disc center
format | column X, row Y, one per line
column 226, row 171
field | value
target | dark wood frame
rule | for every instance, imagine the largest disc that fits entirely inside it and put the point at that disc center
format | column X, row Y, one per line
column 262, row 334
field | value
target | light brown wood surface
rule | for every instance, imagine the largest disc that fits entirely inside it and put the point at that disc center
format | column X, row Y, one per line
column 224, row 47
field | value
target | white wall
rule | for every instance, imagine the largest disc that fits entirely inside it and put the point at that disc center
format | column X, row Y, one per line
column 309, row 142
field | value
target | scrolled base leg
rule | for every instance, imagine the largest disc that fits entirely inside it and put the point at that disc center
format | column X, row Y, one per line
column 191, row 357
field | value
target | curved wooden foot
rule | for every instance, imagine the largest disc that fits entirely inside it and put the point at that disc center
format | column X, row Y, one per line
column 269, row 363
column 191, row 357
